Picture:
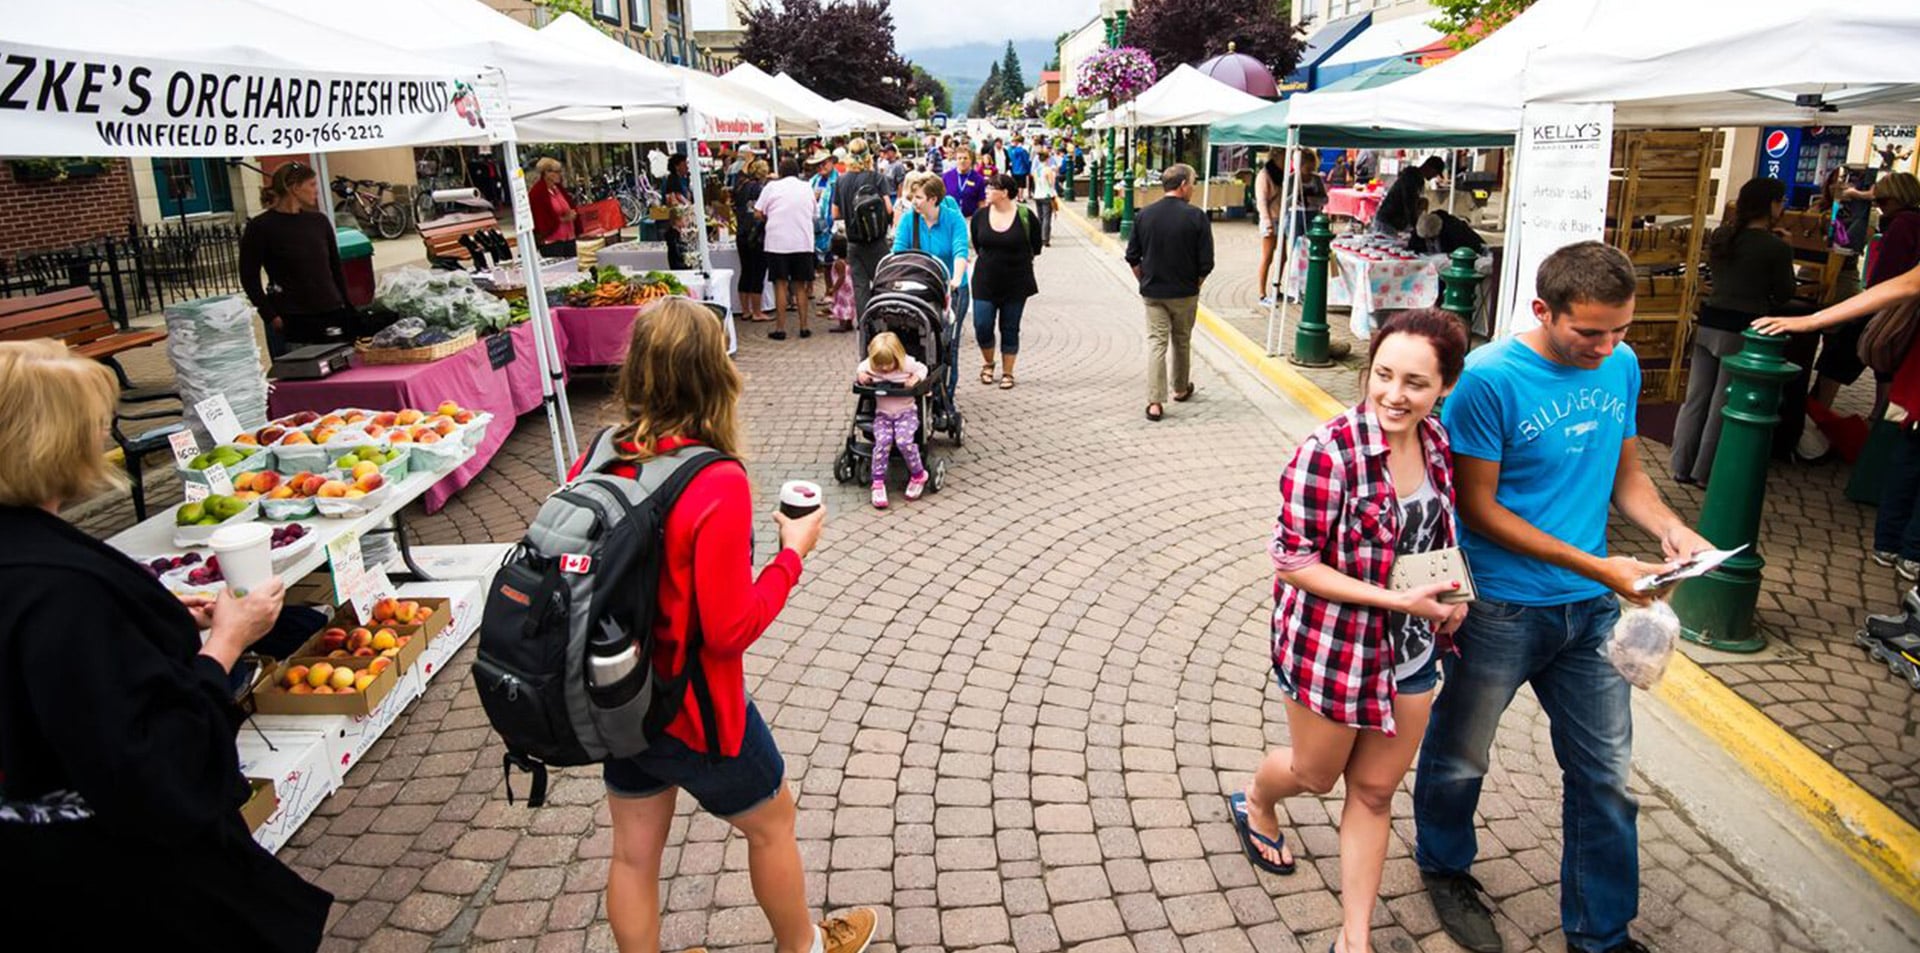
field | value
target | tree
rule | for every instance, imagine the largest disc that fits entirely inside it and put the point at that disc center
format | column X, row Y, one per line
column 1466, row 22
column 1188, row 31
column 1013, row 86
column 987, row 99
column 837, row 49
column 925, row 84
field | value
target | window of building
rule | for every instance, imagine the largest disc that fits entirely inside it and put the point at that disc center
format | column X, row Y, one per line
column 640, row 14
column 608, row 10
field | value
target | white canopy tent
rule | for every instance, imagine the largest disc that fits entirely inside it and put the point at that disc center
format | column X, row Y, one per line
column 234, row 77
column 1379, row 42
column 876, row 119
column 806, row 113
column 721, row 110
column 1184, row 97
column 1738, row 62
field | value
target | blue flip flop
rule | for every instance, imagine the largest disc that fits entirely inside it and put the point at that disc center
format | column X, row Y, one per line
column 1251, row 840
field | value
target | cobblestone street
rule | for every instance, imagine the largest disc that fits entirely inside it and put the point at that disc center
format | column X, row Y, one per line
column 1820, row 583
column 1010, row 710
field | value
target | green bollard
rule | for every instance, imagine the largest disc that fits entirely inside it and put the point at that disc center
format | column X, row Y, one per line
column 1716, row 610
column 1461, row 284
column 1093, row 190
column 1310, row 338
column 1126, row 201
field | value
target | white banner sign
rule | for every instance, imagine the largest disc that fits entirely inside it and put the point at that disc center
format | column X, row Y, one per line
column 59, row 102
column 729, row 128
column 1562, row 162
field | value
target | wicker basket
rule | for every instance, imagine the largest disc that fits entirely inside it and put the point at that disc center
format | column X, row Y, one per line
column 369, row 354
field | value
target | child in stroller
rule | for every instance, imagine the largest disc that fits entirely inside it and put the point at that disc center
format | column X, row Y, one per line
column 892, row 376
column 908, row 306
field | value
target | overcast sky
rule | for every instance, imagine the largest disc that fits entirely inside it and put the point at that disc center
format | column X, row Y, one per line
column 930, row 24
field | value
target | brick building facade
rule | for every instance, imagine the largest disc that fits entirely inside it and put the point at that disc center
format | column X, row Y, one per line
column 54, row 214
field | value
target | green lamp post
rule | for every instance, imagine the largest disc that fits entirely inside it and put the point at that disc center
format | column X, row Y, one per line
column 1716, row 610
column 1310, row 338
column 1129, row 171
column 1460, row 283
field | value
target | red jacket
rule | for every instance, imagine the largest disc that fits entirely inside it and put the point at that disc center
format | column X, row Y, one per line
column 1899, row 249
column 710, row 536
column 547, row 226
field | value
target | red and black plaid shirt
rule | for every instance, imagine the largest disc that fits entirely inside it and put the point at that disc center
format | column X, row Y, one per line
column 1338, row 507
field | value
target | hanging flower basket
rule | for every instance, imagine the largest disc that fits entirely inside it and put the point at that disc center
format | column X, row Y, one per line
column 1117, row 74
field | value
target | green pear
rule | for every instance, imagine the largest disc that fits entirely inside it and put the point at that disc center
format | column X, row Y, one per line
column 189, row 514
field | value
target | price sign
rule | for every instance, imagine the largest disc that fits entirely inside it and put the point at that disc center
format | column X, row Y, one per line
column 218, row 480
column 218, row 417
column 343, row 555
column 185, row 448
column 517, row 187
column 195, row 492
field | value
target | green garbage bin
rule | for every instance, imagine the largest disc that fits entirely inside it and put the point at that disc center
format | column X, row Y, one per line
column 356, row 262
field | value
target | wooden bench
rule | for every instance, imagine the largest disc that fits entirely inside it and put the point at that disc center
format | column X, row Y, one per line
column 442, row 235
column 76, row 316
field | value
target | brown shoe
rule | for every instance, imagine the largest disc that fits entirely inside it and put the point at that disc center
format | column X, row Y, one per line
column 850, row 932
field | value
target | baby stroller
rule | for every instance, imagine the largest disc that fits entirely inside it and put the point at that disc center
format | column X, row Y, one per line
column 909, row 299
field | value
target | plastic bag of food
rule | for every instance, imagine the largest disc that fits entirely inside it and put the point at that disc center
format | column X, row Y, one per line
column 1642, row 643
column 405, row 332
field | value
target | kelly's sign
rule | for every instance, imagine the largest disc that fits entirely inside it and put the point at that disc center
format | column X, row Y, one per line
column 57, row 104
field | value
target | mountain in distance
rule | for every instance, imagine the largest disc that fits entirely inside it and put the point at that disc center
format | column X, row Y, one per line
column 964, row 67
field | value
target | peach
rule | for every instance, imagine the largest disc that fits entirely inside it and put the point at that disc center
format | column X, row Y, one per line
column 384, row 610
column 312, row 485
column 364, row 469
column 400, row 436
column 266, row 481
column 302, row 418
column 339, row 653
column 393, row 653
column 359, row 638
column 404, row 640
column 379, row 665
column 364, row 679
column 296, row 437
column 349, row 690
column 405, row 612
column 333, row 638
column 247, row 439
column 242, row 481
column 354, row 493
column 364, row 653
column 301, row 689
column 324, row 434
column 341, row 678
column 385, row 639
column 323, row 690
column 370, row 482
column 245, row 495
column 408, row 417
column 375, row 430
column 463, row 417
column 353, row 417
column 270, row 434
column 330, row 420
column 428, row 437
column 319, row 674
column 296, row 675
column 385, row 419
column 447, row 408
column 281, row 492
column 444, row 426
column 333, row 489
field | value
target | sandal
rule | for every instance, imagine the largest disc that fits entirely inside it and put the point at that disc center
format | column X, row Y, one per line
column 986, row 374
column 1186, row 395
column 1251, row 840
column 1006, row 381
column 1155, row 411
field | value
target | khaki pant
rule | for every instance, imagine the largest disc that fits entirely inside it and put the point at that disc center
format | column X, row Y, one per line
column 1169, row 318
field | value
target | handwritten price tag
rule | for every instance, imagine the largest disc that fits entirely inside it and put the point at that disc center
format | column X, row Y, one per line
column 343, row 555
column 218, row 417
column 185, row 448
column 195, row 492
column 218, row 479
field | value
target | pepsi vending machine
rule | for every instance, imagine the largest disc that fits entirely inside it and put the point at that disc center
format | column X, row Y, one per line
column 1801, row 158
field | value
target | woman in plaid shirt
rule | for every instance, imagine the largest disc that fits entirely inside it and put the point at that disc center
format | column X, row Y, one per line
column 1356, row 661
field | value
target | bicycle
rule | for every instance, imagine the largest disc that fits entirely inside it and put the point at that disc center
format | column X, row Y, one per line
column 371, row 204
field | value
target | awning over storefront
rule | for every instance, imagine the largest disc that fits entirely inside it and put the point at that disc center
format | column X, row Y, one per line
column 1384, row 40
column 1324, row 42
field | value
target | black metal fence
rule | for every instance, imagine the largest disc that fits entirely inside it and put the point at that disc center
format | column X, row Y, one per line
column 144, row 270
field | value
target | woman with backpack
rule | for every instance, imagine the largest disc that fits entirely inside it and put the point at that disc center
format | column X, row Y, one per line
column 1752, row 278
column 863, row 201
column 1006, row 237
column 681, row 390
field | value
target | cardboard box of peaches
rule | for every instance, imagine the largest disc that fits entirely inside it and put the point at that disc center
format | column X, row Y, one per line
column 348, row 671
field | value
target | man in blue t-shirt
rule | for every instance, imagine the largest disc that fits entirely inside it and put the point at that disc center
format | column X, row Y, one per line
column 1020, row 166
column 1543, row 436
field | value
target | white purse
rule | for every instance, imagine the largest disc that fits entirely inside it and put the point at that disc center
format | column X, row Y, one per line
column 1441, row 565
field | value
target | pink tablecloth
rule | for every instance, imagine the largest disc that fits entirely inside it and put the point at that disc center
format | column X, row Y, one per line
column 1366, row 285
column 592, row 337
column 1354, row 203
column 467, row 378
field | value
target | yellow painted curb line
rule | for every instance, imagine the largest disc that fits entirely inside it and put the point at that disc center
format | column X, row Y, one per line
column 1879, row 840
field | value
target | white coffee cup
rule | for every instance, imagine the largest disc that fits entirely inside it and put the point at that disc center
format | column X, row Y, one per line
column 246, row 555
column 800, row 498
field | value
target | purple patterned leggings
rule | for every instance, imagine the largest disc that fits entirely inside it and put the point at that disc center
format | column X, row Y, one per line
column 890, row 430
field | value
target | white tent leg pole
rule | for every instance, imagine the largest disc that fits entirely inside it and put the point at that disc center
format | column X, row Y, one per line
column 1206, row 177
column 697, row 178
column 1283, row 230
column 326, row 187
column 1453, row 178
column 537, row 302
column 1509, row 254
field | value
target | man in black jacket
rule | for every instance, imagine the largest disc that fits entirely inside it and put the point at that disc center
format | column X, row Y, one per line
column 1171, row 252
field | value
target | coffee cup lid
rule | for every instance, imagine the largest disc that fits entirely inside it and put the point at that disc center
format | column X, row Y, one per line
column 239, row 535
column 800, row 493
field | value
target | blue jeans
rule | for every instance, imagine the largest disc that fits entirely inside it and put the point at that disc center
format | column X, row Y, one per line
column 1557, row 650
column 1895, row 530
column 1008, row 313
column 960, row 302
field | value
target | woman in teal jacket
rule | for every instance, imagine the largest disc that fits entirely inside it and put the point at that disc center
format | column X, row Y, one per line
column 934, row 225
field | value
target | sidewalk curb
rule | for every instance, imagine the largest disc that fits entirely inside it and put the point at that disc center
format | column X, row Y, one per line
column 1869, row 832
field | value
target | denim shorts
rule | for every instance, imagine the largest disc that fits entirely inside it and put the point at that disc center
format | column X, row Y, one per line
column 1422, row 680
column 726, row 787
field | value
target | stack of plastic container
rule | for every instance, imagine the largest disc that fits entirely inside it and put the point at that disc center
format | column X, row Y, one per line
column 211, row 342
